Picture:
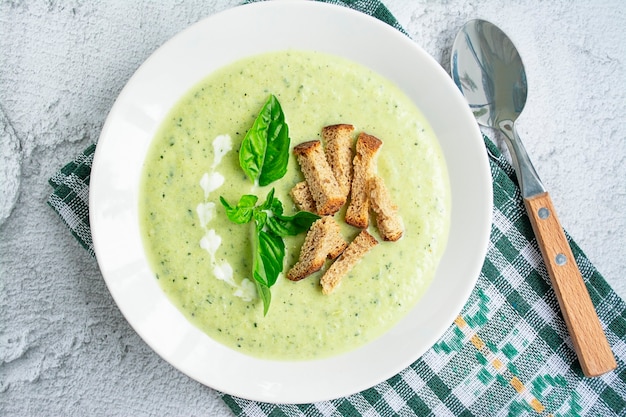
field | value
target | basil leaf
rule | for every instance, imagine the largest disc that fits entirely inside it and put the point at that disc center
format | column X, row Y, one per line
column 260, row 219
column 271, row 251
column 272, row 204
column 258, row 273
column 277, row 151
column 268, row 263
column 243, row 211
column 253, row 146
column 277, row 207
column 264, row 151
column 291, row 225
column 266, row 296
column 267, row 204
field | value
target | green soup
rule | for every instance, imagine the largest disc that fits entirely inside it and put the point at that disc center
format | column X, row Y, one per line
column 203, row 262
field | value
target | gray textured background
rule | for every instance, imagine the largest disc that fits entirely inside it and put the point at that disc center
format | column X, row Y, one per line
column 65, row 348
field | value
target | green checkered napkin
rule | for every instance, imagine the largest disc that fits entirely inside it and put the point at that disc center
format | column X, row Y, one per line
column 71, row 196
column 508, row 352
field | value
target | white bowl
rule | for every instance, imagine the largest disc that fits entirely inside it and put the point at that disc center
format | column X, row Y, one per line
column 188, row 58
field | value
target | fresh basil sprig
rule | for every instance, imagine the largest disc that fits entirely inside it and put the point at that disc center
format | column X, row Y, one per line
column 243, row 211
column 264, row 151
column 271, row 225
column 263, row 156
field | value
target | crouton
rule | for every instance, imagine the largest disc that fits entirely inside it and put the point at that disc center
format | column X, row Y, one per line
column 338, row 149
column 388, row 222
column 348, row 259
column 323, row 240
column 319, row 177
column 302, row 197
column 367, row 147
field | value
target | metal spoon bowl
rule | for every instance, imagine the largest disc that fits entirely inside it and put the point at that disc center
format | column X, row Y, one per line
column 488, row 70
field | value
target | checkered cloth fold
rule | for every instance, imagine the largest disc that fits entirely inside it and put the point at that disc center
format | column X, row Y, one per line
column 507, row 353
column 71, row 196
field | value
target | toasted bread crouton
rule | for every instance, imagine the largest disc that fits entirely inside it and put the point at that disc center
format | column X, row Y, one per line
column 319, row 177
column 388, row 222
column 338, row 149
column 364, row 163
column 353, row 254
column 323, row 240
column 302, row 197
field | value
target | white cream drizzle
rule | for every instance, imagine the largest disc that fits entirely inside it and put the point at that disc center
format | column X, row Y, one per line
column 211, row 242
column 211, row 182
column 221, row 146
column 224, row 272
column 205, row 210
column 247, row 290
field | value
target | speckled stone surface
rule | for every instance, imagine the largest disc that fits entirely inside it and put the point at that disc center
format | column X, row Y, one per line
column 65, row 348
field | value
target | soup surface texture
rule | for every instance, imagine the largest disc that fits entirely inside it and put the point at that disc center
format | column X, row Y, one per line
column 203, row 262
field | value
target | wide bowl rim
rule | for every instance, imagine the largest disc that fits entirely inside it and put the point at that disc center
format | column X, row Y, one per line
column 377, row 45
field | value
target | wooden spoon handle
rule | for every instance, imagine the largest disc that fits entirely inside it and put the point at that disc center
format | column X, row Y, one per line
column 585, row 329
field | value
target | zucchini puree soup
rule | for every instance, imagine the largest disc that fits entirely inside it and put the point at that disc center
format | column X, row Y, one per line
column 203, row 262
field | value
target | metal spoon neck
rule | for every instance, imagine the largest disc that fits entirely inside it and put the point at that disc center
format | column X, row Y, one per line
column 528, row 179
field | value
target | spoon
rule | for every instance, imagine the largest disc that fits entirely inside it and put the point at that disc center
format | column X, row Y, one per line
column 487, row 68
